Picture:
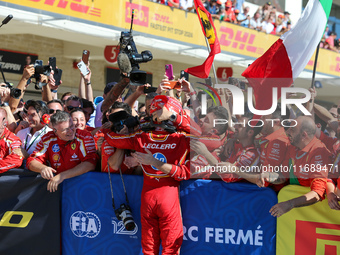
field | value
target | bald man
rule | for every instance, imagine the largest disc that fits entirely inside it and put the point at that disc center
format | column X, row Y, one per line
column 308, row 160
column 10, row 152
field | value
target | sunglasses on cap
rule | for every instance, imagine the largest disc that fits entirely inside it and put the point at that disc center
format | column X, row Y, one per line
column 52, row 111
column 70, row 108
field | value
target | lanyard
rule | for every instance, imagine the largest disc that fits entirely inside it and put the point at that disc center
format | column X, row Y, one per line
column 31, row 143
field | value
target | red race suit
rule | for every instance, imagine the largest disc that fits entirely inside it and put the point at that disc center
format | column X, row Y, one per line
column 160, row 209
column 64, row 155
column 8, row 159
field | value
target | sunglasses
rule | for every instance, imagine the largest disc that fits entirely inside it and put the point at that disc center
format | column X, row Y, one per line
column 52, row 111
column 70, row 108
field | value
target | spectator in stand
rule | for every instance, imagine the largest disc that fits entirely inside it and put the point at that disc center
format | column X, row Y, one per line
column 186, row 5
column 54, row 106
column 10, row 152
column 244, row 18
column 265, row 9
column 229, row 14
column 237, row 13
column 329, row 43
column 215, row 8
column 255, row 22
column 286, row 19
column 267, row 25
column 31, row 136
column 63, row 153
column 173, row 3
column 239, row 4
column 278, row 24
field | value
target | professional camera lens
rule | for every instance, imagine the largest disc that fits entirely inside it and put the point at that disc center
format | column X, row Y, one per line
column 126, row 216
column 15, row 93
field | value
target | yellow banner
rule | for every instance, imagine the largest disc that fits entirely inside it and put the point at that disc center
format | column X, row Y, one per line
column 310, row 230
column 161, row 21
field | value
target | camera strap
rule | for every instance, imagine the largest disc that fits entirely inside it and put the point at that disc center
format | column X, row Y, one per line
column 121, row 176
column 113, row 200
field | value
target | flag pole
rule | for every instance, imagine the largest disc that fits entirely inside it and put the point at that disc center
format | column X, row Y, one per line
column 213, row 66
column 315, row 64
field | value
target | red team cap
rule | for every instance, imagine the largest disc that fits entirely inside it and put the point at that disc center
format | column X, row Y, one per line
column 169, row 102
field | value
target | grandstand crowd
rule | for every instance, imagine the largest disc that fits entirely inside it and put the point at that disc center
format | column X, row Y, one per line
column 265, row 19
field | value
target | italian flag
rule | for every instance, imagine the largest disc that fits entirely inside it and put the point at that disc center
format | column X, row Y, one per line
column 282, row 63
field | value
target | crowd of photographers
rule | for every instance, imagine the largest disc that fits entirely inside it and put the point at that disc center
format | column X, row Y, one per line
column 166, row 137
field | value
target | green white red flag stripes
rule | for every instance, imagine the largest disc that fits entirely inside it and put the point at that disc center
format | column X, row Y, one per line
column 289, row 55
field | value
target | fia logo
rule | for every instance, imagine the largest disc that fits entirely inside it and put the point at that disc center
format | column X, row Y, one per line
column 85, row 224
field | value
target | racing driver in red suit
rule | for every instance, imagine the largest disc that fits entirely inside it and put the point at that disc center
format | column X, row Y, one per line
column 66, row 152
column 163, row 154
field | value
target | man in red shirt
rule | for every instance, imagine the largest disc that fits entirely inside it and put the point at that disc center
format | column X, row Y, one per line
column 163, row 157
column 10, row 152
column 65, row 151
column 243, row 163
column 307, row 160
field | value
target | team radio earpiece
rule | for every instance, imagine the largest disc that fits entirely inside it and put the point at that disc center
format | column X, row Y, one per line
column 45, row 119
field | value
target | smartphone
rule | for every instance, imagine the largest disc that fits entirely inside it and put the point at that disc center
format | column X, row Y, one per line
column 149, row 89
column 169, row 72
column 174, row 85
column 53, row 63
column 184, row 74
column 85, row 57
column 83, row 68
column 57, row 72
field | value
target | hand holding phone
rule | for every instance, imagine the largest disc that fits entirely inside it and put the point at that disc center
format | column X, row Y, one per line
column 85, row 57
column 169, row 72
column 57, row 72
column 83, row 68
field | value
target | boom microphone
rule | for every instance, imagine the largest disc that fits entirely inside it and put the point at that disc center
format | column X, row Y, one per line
column 6, row 20
column 124, row 63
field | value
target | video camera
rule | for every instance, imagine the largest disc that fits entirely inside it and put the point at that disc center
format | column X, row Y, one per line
column 121, row 118
column 128, row 46
column 15, row 93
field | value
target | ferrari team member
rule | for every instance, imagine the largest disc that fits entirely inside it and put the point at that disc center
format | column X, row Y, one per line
column 308, row 160
column 10, row 152
column 163, row 156
column 244, row 160
column 273, row 145
column 63, row 153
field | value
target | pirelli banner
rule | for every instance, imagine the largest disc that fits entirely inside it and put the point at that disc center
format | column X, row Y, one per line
column 310, row 230
column 29, row 215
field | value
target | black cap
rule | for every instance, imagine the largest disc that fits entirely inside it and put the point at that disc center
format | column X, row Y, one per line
column 109, row 86
column 286, row 13
column 269, row 3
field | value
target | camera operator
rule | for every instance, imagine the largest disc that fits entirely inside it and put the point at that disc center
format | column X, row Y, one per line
column 163, row 154
column 119, row 158
column 63, row 153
